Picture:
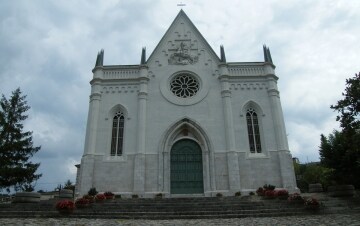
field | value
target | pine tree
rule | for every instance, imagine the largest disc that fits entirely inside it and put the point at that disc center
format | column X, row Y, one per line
column 16, row 145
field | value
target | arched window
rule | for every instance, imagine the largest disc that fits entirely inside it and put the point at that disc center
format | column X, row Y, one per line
column 117, row 134
column 253, row 131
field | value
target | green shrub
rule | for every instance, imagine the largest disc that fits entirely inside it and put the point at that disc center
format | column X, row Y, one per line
column 269, row 187
column 118, row 196
column 159, row 195
column 134, row 196
column 92, row 192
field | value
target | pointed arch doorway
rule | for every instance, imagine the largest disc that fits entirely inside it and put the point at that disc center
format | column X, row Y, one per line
column 186, row 168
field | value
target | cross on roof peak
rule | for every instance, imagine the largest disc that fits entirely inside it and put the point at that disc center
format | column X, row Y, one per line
column 181, row 4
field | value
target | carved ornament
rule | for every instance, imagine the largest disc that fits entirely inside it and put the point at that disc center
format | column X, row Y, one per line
column 182, row 56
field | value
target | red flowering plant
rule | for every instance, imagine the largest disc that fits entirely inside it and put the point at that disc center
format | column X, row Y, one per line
column 311, row 203
column 89, row 197
column 295, row 198
column 82, row 202
column 282, row 194
column 109, row 195
column 270, row 194
column 100, row 197
column 65, row 205
column 267, row 187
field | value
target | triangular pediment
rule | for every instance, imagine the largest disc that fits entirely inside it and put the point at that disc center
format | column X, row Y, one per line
column 182, row 44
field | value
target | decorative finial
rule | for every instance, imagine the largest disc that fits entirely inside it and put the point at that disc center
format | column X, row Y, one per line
column 222, row 54
column 143, row 56
column 267, row 55
column 100, row 59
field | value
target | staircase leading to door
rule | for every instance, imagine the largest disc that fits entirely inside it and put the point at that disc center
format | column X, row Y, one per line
column 174, row 208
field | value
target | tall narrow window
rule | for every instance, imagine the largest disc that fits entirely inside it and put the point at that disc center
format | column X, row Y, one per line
column 253, row 131
column 117, row 134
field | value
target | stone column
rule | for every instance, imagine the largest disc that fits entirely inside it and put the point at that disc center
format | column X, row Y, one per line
column 93, row 114
column 284, row 155
column 88, row 161
column 139, row 164
column 277, row 115
column 77, row 180
column 232, row 157
column 91, row 128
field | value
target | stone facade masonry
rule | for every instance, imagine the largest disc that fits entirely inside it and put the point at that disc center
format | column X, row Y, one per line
column 155, row 118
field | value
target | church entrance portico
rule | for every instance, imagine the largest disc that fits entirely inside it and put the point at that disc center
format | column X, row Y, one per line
column 186, row 176
column 186, row 160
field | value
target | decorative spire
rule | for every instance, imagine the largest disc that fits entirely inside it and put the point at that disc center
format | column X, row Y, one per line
column 143, row 56
column 267, row 55
column 100, row 59
column 222, row 54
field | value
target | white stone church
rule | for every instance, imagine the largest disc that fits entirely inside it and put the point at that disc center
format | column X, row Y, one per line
column 185, row 122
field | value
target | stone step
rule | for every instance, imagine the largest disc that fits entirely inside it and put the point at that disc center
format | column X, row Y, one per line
column 179, row 208
column 154, row 215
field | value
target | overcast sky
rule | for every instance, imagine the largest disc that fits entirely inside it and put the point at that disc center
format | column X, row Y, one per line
column 48, row 49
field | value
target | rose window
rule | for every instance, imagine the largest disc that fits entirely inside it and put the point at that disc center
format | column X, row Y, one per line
column 184, row 85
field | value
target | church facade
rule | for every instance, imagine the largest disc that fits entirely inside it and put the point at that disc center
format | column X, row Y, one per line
column 185, row 122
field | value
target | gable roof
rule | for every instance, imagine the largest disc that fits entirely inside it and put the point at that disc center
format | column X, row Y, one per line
column 183, row 15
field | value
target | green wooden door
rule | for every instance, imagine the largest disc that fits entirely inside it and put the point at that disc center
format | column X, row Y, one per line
column 186, row 168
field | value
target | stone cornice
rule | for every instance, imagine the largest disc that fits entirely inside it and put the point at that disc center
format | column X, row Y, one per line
column 249, row 85
column 123, row 88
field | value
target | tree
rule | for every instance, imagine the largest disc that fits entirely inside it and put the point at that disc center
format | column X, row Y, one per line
column 349, row 107
column 337, row 154
column 340, row 151
column 16, row 145
column 311, row 173
column 69, row 185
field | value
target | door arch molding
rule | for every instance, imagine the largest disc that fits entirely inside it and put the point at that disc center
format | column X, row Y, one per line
column 186, row 128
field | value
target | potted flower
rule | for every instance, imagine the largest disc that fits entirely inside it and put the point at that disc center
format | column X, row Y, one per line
column 109, row 195
column 312, row 204
column 82, row 202
column 100, row 197
column 270, row 194
column 65, row 206
column 282, row 194
column 295, row 199
column 89, row 197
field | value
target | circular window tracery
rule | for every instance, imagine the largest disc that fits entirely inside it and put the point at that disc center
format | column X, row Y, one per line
column 184, row 85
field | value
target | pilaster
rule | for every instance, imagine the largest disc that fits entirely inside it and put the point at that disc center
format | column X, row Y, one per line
column 232, row 158
column 93, row 115
column 277, row 115
column 285, row 159
column 139, row 164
